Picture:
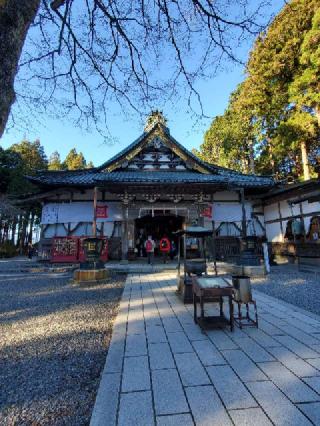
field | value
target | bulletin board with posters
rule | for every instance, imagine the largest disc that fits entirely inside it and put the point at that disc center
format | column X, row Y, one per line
column 70, row 249
column 65, row 249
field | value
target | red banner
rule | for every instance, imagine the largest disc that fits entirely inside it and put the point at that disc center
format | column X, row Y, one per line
column 207, row 212
column 101, row 212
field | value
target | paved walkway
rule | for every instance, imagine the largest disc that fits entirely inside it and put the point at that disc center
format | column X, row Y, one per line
column 161, row 370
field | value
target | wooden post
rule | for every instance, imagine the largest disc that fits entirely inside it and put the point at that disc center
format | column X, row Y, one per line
column 281, row 224
column 124, row 233
column 184, row 257
column 179, row 255
column 244, row 217
column 214, row 249
column 302, row 220
column 94, row 223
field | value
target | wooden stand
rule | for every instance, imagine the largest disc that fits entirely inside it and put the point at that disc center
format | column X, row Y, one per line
column 246, row 321
column 207, row 290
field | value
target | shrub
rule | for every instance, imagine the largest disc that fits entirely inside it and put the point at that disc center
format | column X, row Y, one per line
column 7, row 249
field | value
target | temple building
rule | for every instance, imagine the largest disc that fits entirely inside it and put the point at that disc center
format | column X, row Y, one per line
column 154, row 187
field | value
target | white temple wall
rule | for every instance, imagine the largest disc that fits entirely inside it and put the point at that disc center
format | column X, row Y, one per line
column 226, row 213
column 82, row 230
column 273, row 231
column 78, row 217
column 76, row 212
column 287, row 212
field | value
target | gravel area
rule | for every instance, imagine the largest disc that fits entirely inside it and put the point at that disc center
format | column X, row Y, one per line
column 53, row 344
column 287, row 283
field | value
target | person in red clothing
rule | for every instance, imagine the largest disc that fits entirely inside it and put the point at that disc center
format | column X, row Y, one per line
column 164, row 248
column 149, row 246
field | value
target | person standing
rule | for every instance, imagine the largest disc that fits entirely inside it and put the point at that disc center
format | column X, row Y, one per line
column 172, row 249
column 149, row 246
column 30, row 251
column 164, row 248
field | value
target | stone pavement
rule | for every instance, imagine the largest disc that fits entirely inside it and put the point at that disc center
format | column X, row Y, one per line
column 162, row 370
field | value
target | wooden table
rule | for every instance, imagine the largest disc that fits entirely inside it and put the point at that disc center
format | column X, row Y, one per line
column 212, row 289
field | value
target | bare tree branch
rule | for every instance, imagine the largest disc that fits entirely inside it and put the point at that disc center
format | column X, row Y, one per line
column 80, row 56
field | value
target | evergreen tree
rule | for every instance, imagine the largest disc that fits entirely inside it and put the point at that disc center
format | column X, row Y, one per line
column 230, row 141
column 273, row 65
column 10, row 166
column 54, row 162
column 305, row 87
column 33, row 159
column 272, row 121
column 74, row 160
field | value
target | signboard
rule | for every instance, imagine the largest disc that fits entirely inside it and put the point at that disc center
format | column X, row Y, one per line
column 70, row 249
column 101, row 212
column 206, row 212
column 65, row 249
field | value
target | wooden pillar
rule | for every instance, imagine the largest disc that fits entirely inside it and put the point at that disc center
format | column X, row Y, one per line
column 281, row 224
column 302, row 220
column 179, row 255
column 94, row 223
column 244, row 216
column 124, row 233
column 214, row 248
column 184, row 256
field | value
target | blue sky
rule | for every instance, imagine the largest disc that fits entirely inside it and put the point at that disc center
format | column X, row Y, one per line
column 62, row 135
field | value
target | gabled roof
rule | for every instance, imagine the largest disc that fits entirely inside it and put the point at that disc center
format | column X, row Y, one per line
column 135, row 147
column 115, row 171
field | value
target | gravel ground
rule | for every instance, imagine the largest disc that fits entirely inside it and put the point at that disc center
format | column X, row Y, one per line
column 54, row 339
column 287, row 283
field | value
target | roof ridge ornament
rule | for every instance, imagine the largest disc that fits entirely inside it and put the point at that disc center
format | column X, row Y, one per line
column 156, row 117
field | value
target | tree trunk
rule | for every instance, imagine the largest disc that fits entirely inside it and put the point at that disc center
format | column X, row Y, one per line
column 305, row 160
column 23, row 234
column 271, row 156
column 15, row 19
column 6, row 231
column 13, row 229
column 317, row 112
column 31, row 228
column 1, row 231
column 19, row 228
column 251, row 157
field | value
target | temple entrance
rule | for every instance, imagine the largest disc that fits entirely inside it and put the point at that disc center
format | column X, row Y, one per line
column 157, row 226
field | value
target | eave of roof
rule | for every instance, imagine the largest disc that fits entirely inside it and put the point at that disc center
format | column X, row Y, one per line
column 97, row 178
column 293, row 189
column 100, row 175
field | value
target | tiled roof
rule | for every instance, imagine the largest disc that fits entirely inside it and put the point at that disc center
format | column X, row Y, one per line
column 95, row 177
column 99, row 176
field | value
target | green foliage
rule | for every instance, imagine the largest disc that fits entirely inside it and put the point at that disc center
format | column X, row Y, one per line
column 305, row 87
column 7, row 249
column 74, row 160
column 33, row 159
column 276, row 110
column 10, row 166
column 54, row 162
column 230, row 140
